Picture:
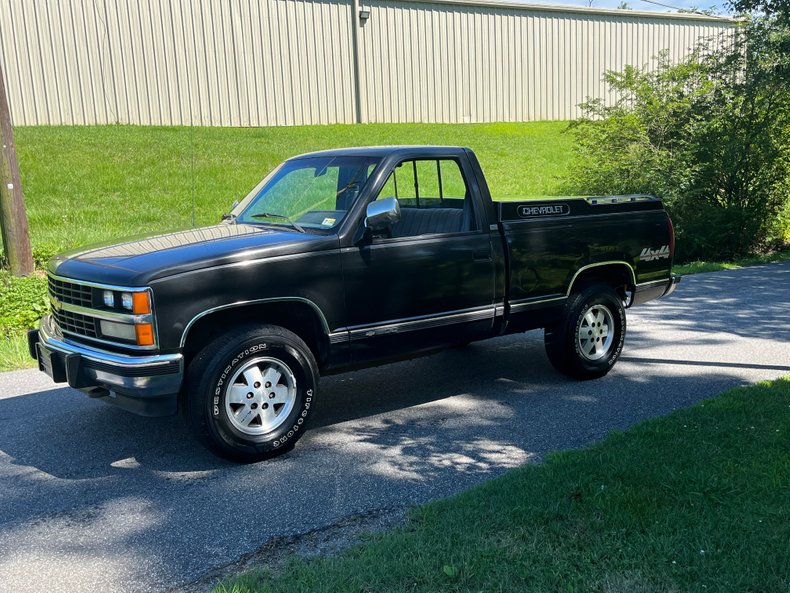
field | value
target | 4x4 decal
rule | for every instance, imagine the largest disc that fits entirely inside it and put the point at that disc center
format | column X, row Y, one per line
column 651, row 254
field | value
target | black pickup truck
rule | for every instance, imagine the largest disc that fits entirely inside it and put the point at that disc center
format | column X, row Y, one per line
column 338, row 260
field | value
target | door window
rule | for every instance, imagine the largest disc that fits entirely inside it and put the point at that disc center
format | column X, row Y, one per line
column 433, row 198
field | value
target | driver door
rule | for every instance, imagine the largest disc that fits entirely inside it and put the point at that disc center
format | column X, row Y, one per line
column 430, row 282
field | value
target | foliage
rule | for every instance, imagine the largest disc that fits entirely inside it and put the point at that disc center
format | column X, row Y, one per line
column 693, row 501
column 779, row 9
column 710, row 134
column 23, row 301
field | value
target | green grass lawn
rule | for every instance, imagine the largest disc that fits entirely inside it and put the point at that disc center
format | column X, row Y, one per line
column 91, row 184
column 695, row 501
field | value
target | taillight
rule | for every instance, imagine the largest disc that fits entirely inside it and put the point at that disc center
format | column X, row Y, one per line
column 671, row 229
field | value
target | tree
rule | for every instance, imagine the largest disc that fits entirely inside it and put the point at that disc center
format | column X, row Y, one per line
column 710, row 134
column 776, row 9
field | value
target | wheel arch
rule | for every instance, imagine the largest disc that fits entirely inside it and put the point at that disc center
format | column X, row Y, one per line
column 299, row 315
column 618, row 274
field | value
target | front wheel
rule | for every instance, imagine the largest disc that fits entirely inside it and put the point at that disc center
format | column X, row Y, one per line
column 588, row 340
column 249, row 393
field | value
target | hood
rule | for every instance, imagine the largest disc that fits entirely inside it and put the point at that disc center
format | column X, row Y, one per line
column 139, row 261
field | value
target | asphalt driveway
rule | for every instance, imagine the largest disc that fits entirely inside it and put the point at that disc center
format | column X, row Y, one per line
column 96, row 500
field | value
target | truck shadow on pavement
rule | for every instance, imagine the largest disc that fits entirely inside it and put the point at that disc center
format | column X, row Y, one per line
column 66, row 434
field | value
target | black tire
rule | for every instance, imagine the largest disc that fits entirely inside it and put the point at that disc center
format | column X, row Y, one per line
column 578, row 348
column 208, row 401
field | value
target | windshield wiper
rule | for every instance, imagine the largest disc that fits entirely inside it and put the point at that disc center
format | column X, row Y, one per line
column 282, row 216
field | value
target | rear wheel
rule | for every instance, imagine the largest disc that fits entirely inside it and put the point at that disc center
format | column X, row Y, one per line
column 588, row 340
column 249, row 393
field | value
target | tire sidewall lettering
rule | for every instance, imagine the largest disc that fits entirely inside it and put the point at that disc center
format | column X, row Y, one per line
column 621, row 318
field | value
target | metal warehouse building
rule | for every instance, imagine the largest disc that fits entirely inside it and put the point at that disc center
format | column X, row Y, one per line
column 294, row 62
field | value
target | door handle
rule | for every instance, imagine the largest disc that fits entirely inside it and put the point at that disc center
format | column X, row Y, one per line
column 482, row 256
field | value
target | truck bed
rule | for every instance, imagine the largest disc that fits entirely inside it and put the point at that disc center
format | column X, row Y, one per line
column 548, row 242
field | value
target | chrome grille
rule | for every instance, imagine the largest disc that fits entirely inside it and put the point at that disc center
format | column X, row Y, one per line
column 75, row 313
column 70, row 292
column 75, row 323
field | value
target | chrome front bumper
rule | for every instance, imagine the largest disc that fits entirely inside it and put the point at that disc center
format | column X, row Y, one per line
column 147, row 385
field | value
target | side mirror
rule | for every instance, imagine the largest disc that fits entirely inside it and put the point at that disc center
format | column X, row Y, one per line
column 381, row 214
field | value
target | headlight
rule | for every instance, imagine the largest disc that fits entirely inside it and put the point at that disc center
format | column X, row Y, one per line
column 139, row 330
column 138, row 303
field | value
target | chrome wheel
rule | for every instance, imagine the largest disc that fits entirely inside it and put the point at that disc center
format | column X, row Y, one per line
column 260, row 396
column 596, row 332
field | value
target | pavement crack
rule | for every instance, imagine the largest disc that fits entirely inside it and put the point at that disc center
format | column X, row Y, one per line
column 321, row 541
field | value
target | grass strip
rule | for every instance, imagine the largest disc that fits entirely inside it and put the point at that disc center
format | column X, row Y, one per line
column 696, row 267
column 694, row 501
column 14, row 354
column 88, row 184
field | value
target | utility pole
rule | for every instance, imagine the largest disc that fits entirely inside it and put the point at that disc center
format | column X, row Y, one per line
column 13, row 218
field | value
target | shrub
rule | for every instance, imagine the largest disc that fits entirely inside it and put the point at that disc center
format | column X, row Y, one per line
column 23, row 301
column 711, row 135
column 43, row 253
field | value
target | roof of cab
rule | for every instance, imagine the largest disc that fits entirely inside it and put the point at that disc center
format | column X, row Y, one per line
column 382, row 151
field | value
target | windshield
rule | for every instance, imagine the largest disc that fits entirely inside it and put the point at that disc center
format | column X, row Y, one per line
column 309, row 193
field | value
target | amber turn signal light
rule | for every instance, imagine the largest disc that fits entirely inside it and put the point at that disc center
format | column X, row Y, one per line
column 145, row 334
column 141, row 304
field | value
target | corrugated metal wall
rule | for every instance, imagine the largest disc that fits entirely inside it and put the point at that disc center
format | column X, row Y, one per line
column 207, row 62
column 291, row 62
column 441, row 62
